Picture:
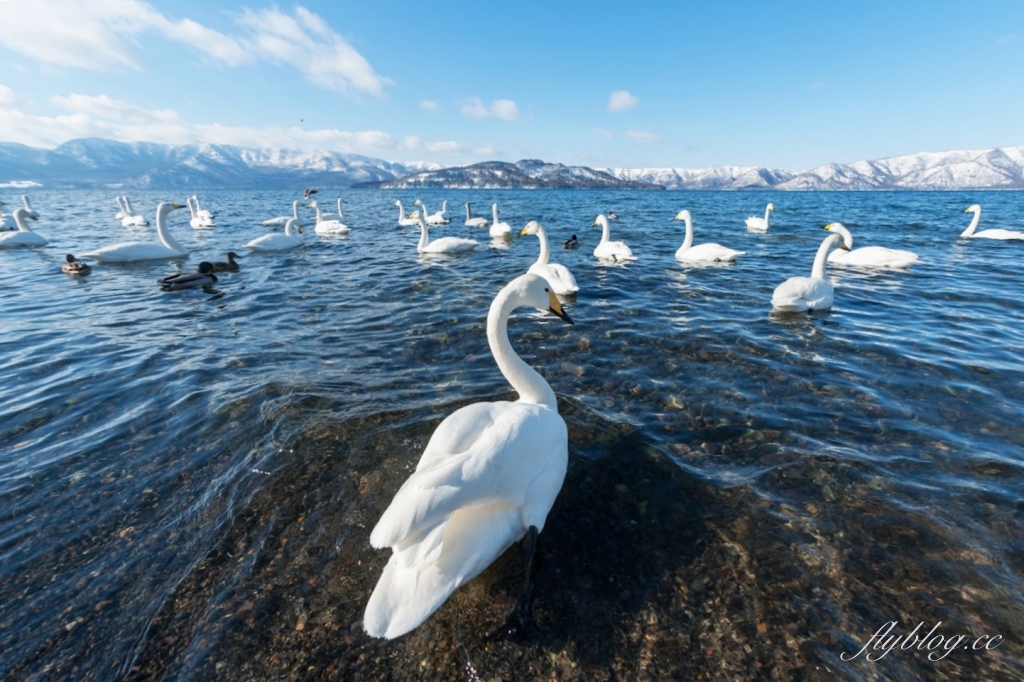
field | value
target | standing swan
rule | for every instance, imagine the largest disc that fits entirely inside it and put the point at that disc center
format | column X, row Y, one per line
column 798, row 294
column 558, row 276
column 499, row 229
column 283, row 219
column 702, row 253
column 291, row 239
column 607, row 249
column 997, row 233
column 24, row 236
column 129, row 252
column 869, row 256
column 474, row 221
column 488, row 477
column 760, row 224
column 328, row 226
column 444, row 244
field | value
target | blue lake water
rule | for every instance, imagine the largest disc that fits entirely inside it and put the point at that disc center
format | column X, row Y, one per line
column 188, row 479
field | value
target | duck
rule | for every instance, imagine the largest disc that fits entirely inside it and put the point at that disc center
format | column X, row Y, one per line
column 612, row 215
column 800, row 294
column 73, row 266
column 499, row 229
column 609, row 250
column 868, row 256
column 128, row 217
column 308, row 192
column 283, row 219
column 403, row 220
column 190, row 280
column 472, row 221
column 571, row 243
column 558, row 276
column 702, row 253
column 997, row 233
column 230, row 265
column 197, row 220
column 758, row 224
column 129, row 252
column 433, row 218
column 444, row 244
column 23, row 237
column 487, row 478
column 328, row 226
column 291, row 239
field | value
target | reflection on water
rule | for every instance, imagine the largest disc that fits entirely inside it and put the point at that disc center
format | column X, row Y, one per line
column 188, row 479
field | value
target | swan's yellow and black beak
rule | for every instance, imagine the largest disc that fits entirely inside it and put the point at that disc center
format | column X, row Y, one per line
column 176, row 206
column 556, row 308
column 524, row 232
column 829, row 227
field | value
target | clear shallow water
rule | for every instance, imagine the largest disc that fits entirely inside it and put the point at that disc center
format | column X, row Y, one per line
column 186, row 477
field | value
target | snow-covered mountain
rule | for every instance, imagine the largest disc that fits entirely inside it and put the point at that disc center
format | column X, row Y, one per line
column 95, row 162
column 525, row 174
column 1001, row 168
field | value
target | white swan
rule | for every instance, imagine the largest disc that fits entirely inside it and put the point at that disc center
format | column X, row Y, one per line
column 328, row 226
column 444, row 244
column 488, row 477
column 997, row 233
column 28, row 206
column 607, row 249
column 129, row 252
column 200, row 211
column 290, row 239
column 283, row 219
column 3, row 219
column 198, row 220
column 799, row 294
column 24, row 236
column 404, row 220
column 561, row 280
column 760, row 224
column 868, row 256
column 433, row 218
column 499, row 229
column 702, row 253
column 474, row 221
column 130, row 219
column 120, row 213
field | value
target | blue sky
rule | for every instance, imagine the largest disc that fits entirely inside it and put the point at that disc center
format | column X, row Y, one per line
column 688, row 84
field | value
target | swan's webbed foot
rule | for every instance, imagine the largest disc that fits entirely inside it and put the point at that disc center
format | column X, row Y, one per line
column 520, row 623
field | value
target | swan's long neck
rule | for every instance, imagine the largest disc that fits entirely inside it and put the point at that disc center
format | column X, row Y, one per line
column 24, row 199
column 818, row 270
column 524, row 379
column 545, row 251
column 426, row 211
column 494, row 213
column 22, row 225
column 688, row 241
column 424, row 237
column 319, row 214
column 974, row 224
column 401, row 211
column 340, row 214
column 165, row 237
column 605, row 231
column 444, row 207
column 289, row 229
column 120, row 204
column 469, row 215
column 767, row 212
column 295, row 209
column 128, row 207
column 191, row 209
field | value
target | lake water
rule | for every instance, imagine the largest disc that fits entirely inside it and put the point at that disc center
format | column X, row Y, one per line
column 188, row 479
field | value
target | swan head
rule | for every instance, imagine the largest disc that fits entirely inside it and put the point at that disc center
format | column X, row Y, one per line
column 771, row 207
column 683, row 215
column 418, row 202
column 312, row 204
column 165, row 208
column 534, row 291
column 532, row 227
column 841, row 230
column 973, row 208
column 397, row 202
column 21, row 213
column 600, row 220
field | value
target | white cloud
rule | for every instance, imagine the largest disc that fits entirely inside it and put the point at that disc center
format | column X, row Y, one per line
column 7, row 97
column 500, row 108
column 412, row 142
column 644, row 138
column 601, row 132
column 622, row 100
column 447, row 147
column 487, row 150
column 430, row 105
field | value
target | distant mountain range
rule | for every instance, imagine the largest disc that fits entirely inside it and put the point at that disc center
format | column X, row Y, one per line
column 95, row 162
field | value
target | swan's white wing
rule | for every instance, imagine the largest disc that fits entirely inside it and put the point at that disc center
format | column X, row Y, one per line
column 803, row 293
column 708, row 253
column 755, row 223
column 874, row 256
column 451, row 245
column 998, row 233
column 132, row 251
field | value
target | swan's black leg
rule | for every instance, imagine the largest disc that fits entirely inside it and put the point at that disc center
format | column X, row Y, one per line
column 520, row 622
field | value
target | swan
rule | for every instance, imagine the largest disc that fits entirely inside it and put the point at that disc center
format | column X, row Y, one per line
column 433, row 218
column 609, row 250
column 474, row 222
column 3, row 219
column 702, row 253
column 23, row 236
column 997, row 233
column 868, row 256
column 130, row 219
column 798, row 294
column 283, row 219
column 200, row 211
column 73, row 266
column 561, row 280
column 128, row 252
column 226, row 266
column 487, row 478
column 278, row 241
column 499, row 229
column 188, row 280
column 28, row 206
column 444, row 244
column 760, row 224
column 402, row 219
column 198, row 220
column 120, row 213
column 571, row 243
column 328, row 226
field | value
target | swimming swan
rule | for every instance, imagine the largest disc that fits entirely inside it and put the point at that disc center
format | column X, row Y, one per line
column 997, row 233
column 189, row 280
column 474, row 221
column 73, row 266
column 129, row 219
column 488, row 477
column 28, row 206
column 200, row 211
column 868, row 256
column 561, row 280
column 499, row 229
column 702, row 253
column 799, row 294
column 760, row 224
column 23, row 236
column 328, row 226
column 283, row 219
column 129, row 252
column 444, row 244
column 402, row 219
column 609, row 250
column 197, row 219
column 291, row 239
column 433, row 218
